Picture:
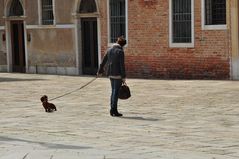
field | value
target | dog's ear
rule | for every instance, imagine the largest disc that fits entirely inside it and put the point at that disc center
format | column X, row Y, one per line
column 43, row 98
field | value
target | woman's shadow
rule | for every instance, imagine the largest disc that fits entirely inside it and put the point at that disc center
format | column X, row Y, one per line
column 138, row 118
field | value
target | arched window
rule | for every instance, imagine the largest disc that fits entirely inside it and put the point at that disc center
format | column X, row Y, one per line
column 16, row 8
column 87, row 6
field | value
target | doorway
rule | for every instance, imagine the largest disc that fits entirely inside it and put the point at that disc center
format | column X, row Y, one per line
column 89, row 45
column 18, row 46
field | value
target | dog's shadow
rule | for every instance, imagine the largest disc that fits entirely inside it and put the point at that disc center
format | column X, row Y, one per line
column 138, row 118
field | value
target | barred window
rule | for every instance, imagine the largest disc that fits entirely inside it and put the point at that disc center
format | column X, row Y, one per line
column 16, row 8
column 117, row 19
column 181, row 21
column 47, row 12
column 215, row 12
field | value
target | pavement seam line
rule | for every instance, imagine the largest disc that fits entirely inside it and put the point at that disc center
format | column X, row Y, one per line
column 24, row 157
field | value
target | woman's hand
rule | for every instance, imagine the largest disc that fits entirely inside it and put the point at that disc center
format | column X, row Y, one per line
column 98, row 74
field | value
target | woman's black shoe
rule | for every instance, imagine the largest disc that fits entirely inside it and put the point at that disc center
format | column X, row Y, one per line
column 111, row 112
column 118, row 114
column 115, row 113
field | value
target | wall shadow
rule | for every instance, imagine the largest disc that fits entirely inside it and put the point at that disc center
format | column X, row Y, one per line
column 4, row 79
column 44, row 144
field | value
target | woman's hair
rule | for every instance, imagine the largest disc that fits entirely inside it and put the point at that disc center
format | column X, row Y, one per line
column 121, row 41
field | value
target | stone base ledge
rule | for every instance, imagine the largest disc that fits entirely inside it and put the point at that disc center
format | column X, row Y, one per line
column 53, row 70
column 3, row 68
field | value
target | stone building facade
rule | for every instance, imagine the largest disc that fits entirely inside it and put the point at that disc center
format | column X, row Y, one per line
column 171, row 39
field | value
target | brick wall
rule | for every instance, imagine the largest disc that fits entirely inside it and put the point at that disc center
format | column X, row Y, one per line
column 148, row 53
column 31, row 12
column 64, row 10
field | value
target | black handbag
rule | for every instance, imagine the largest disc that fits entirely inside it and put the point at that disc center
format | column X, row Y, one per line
column 124, row 92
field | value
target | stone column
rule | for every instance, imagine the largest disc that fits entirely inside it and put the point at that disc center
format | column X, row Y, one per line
column 234, row 38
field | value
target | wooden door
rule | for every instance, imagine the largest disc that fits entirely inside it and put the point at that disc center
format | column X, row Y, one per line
column 18, row 47
column 89, row 45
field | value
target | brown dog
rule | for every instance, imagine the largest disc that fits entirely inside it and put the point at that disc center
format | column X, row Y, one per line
column 49, row 107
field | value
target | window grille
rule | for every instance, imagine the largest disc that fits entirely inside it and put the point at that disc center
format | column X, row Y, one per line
column 47, row 12
column 88, row 6
column 215, row 12
column 181, row 21
column 117, row 19
column 16, row 8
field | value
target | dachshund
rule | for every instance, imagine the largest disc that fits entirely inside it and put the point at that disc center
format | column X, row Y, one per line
column 49, row 107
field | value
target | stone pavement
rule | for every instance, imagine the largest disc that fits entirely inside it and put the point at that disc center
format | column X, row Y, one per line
column 164, row 119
